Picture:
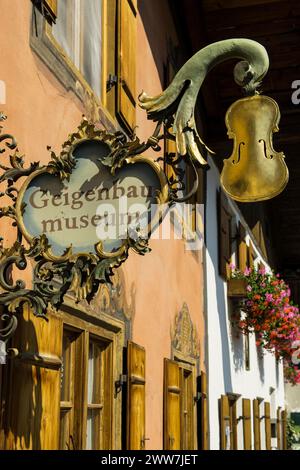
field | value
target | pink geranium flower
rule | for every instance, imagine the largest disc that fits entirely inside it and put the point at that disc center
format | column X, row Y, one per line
column 272, row 315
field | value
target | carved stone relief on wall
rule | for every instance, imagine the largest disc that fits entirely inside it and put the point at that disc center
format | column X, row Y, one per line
column 184, row 336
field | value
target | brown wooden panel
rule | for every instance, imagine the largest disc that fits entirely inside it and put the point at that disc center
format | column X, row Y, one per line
column 251, row 255
column 136, row 415
column 247, row 431
column 172, row 406
column 33, row 386
column 261, row 29
column 256, row 425
column 248, row 15
column 242, row 251
column 224, row 235
column 268, row 425
column 279, row 429
column 109, row 60
column 224, row 423
column 127, row 63
column 213, row 5
column 204, row 411
column 258, row 232
column 233, row 424
column 283, row 429
column 187, row 409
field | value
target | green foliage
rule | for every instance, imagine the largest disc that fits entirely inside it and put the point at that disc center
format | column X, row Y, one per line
column 292, row 433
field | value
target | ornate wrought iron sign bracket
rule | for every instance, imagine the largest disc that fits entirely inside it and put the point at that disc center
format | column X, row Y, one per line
column 254, row 171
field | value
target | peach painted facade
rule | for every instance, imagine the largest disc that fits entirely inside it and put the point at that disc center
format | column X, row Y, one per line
column 42, row 112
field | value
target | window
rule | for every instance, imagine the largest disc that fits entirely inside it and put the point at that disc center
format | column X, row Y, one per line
column 273, row 429
column 91, row 50
column 85, row 411
column 95, row 392
column 78, row 30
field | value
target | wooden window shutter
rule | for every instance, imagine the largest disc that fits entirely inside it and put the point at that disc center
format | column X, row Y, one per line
column 136, row 357
column 48, row 8
column 126, row 102
column 32, row 391
column 268, row 425
column 278, row 429
column 247, row 424
column 204, row 412
column 256, row 425
column 225, row 423
column 242, row 249
column 251, row 255
column 283, row 429
column 224, row 230
column 233, row 424
column 172, row 406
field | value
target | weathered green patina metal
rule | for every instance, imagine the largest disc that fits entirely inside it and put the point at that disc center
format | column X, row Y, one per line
column 181, row 96
column 254, row 176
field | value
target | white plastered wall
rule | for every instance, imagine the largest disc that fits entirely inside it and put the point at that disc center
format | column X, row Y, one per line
column 225, row 349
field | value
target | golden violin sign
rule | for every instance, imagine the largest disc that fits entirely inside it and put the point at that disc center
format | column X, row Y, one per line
column 254, row 171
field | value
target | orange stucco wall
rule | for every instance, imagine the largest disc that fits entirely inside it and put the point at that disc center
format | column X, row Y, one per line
column 169, row 275
column 42, row 112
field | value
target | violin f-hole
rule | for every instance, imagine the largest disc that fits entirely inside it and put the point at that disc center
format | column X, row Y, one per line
column 265, row 149
column 239, row 154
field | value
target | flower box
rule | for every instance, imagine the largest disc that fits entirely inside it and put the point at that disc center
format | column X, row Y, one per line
column 236, row 288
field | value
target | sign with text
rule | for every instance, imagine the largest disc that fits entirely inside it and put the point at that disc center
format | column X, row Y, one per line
column 93, row 205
